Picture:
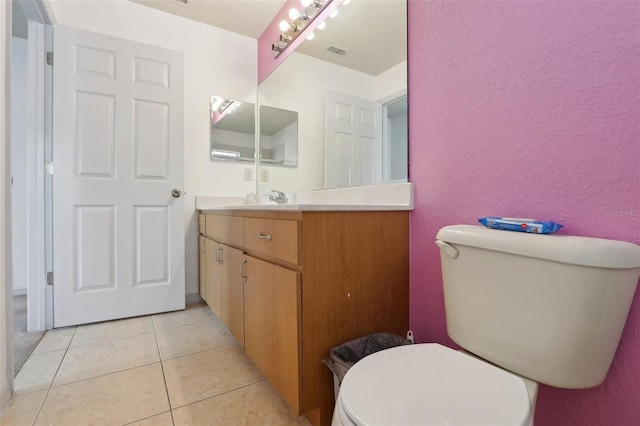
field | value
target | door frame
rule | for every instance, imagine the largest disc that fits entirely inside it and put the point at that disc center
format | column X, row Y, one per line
column 39, row 300
column 386, row 143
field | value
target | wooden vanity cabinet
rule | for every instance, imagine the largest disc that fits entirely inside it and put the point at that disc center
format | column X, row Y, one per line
column 223, row 284
column 212, row 275
column 272, row 325
column 232, row 291
column 312, row 281
column 202, row 266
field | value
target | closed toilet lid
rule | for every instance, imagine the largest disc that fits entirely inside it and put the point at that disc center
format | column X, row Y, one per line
column 430, row 384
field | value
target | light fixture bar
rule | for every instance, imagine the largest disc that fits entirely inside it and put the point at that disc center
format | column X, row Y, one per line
column 301, row 19
column 223, row 153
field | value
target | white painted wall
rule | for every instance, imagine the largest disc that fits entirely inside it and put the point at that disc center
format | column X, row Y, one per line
column 391, row 82
column 299, row 84
column 6, row 346
column 216, row 62
column 244, row 143
column 19, row 166
column 282, row 145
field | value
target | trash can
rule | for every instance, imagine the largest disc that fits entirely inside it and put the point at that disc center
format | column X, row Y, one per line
column 341, row 358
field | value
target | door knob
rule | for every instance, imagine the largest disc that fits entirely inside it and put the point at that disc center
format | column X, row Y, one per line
column 176, row 193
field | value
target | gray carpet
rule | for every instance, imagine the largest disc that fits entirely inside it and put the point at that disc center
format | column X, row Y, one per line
column 23, row 343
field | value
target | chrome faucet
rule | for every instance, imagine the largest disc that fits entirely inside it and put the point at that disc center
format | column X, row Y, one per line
column 278, row 196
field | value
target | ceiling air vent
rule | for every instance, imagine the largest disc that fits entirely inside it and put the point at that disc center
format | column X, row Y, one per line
column 338, row 51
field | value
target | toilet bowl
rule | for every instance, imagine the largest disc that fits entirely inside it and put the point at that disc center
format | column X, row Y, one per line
column 431, row 384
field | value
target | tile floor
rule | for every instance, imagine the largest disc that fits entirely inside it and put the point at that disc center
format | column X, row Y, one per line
column 179, row 368
column 23, row 342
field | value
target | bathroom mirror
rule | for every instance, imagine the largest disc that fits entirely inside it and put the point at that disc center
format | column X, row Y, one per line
column 348, row 85
column 233, row 130
column 278, row 136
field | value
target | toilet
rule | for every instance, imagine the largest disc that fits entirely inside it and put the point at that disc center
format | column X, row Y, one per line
column 525, row 309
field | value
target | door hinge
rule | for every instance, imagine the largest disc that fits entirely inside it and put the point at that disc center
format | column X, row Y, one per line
column 49, row 168
column 50, row 278
column 50, row 58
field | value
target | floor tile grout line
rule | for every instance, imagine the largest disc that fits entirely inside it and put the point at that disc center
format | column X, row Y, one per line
column 107, row 374
column 147, row 418
column 54, row 377
column 200, row 351
column 164, row 376
column 264, row 379
column 110, row 340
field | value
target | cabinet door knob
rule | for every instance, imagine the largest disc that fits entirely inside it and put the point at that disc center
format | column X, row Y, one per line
column 267, row 237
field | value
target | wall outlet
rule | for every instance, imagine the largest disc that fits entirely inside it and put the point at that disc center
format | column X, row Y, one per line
column 248, row 173
column 264, row 175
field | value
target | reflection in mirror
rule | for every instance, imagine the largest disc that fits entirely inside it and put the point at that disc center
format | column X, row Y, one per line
column 232, row 130
column 349, row 86
column 278, row 136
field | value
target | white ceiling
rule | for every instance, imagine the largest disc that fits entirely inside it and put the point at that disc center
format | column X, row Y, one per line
column 374, row 32
column 246, row 17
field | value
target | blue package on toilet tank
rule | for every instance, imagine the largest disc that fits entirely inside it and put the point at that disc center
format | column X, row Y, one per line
column 520, row 225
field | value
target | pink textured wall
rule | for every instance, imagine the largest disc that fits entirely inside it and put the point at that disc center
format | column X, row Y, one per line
column 527, row 109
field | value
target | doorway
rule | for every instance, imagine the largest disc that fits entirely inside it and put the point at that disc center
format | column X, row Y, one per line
column 396, row 140
column 27, row 174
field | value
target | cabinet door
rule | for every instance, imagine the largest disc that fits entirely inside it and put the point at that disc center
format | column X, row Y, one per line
column 202, row 266
column 272, row 325
column 232, row 292
column 212, row 278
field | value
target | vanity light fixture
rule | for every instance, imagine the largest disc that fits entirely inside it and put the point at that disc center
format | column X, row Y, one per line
column 317, row 4
column 222, row 105
column 223, row 153
column 300, row 19
column 299, row 14
column 216, row 102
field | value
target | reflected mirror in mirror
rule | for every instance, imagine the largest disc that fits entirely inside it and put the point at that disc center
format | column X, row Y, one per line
column 278, row 136
column 349, row 87
column 233, row 130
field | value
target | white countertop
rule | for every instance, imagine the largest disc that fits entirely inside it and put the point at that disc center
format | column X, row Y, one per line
column 394, row 196
column 306, row 207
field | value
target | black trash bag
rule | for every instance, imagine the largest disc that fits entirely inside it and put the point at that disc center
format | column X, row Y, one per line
column 341, row 358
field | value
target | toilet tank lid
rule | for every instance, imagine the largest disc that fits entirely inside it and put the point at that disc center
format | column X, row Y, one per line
column 571, row 249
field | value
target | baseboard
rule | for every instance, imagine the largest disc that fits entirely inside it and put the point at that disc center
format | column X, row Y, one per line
column 20, row 291
column 193, row 298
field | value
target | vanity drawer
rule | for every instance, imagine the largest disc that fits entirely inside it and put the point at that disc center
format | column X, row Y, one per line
column 225, row 229
column 274, row 238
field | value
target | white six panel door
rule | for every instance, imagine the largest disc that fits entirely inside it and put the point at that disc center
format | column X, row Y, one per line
column 118, row 234
column 353, row 140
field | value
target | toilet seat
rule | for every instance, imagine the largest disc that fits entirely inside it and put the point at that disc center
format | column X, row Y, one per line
column 431, row 384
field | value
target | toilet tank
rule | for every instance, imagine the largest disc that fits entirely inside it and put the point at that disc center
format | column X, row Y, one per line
column 550, row 308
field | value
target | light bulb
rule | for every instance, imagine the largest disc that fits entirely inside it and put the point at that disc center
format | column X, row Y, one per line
column 311, row 36
column 284, row 26
column 321, row 25
column 305, row 3
column 346, row 2
column 294, row 14
column 334, row 13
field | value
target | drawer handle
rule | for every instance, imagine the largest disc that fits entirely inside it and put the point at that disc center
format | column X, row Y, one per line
column 264, row 237
column 242, row 269
column 200, row 223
